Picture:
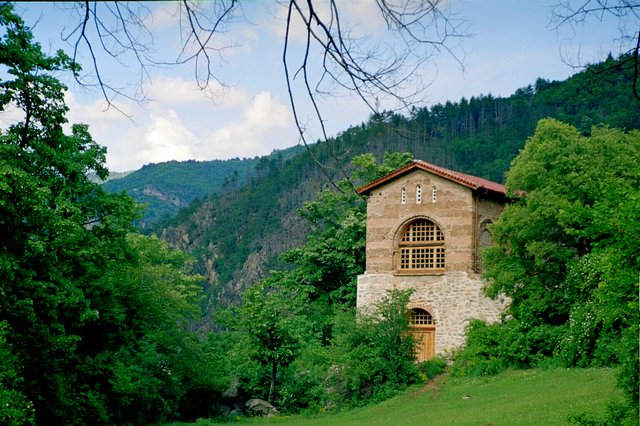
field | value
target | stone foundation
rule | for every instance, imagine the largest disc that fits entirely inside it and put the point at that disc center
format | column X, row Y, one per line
column 452, row 299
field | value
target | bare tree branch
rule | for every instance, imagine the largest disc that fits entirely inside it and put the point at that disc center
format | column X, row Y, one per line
column 570, row 13
column 203, row 42
column 81, row 38
column 294, row 109
column 335, row 56
column 358, row 64
column 121, row 28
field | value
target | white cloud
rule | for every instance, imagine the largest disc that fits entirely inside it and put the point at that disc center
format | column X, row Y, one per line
column 265, row 126
column 168, row 139
column 10, row 115
column 163, row 15
column 364, row 16
column 97, row 112
column 178, row 91
column 196, row 130
column 119, row 130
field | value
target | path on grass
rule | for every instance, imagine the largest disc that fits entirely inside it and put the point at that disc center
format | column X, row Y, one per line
column 434, row 384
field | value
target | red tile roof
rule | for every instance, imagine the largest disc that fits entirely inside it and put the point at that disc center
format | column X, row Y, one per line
column 469, row 181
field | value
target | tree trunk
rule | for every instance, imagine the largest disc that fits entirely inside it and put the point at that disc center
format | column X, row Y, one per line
column 272, row 388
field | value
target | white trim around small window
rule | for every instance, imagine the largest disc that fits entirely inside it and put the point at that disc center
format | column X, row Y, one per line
column 419, row 194
column 403, row 196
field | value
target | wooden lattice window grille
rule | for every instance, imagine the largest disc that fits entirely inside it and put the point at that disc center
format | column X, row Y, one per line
column 422, row 247
column 420, row 317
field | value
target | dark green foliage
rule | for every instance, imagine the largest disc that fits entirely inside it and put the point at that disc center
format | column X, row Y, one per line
column 493, row 348
column 431, row 368
column 271, row 326
column 568, row 255
column 93, row 318
column 367, row 169
column 333, row 255
column 372, row 353
column 139, row 350
column 287, row 331
column 368, row 358
column 304, row 383
column 617, row 414
column 15, row 406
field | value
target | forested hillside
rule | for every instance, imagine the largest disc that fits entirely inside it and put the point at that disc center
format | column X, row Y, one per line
column 96, row 319
column 236, row 235
column 164, row 188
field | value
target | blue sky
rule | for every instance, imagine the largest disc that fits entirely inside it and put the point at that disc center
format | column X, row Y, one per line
column 509, row 45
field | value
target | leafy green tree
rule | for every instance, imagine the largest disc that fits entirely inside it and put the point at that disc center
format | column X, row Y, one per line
column 288, row 318
column 334, row 253
column 367, row 169
column 271, row 325
column 369, row 357
column 568, row 248
column 140, row 339
column 92, row 317
column 15, row 407
column 59, row 230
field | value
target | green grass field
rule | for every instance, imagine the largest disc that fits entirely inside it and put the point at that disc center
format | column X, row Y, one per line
column 529, row 397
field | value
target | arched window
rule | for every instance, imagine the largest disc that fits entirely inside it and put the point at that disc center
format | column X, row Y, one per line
column 420, row 317
column 484, row 241
column 421, row 247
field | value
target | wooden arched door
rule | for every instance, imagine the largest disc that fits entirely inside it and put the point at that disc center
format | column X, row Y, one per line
column 423, row 329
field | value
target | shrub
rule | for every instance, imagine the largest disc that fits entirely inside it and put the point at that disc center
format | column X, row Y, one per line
column 373, row 354
column 431, row 368
column 617, row 414
column 492, row 348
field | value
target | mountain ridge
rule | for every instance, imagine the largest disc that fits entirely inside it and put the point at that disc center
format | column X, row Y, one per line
column 164, row 188
column 237, row 235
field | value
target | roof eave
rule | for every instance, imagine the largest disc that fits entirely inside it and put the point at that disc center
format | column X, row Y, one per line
column 436, row 170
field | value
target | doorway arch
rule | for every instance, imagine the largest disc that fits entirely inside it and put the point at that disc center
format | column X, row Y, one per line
column 423, row 329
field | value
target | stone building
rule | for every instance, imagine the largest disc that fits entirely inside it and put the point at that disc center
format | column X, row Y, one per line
column 426, row 226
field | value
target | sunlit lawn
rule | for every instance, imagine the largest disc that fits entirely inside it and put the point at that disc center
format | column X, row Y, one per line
column 531, row 397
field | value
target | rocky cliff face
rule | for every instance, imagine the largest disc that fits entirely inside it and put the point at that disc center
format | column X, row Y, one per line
column 168, row 198
column 191, row 237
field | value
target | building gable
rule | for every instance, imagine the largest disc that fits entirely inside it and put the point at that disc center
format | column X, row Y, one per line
column 473, row 182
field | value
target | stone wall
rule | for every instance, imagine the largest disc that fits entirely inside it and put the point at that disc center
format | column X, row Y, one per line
column 487, row 212
column 452, row 299
column 386, row 216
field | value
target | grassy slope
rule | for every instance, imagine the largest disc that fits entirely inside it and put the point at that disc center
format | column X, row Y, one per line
column 529, row 397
